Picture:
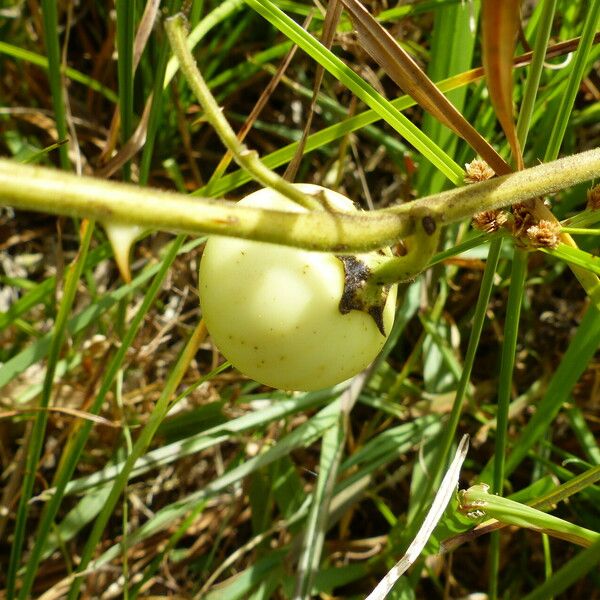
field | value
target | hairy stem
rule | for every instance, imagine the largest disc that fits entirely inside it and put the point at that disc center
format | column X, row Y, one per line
column 41, row 189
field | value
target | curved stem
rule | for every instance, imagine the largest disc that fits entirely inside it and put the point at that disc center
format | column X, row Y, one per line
column 422, row 245
column 247, row 159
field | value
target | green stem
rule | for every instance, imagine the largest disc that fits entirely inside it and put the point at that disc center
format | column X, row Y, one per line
column 443, row 451
column 535, row 71
column 479, row 501
column 247, row 159
column 547, row 558
column 580, row 231
column 125, row 32
column 49, row 13
column 494, row 568
column 421, row 247
column 511, row 330
column 62, row 193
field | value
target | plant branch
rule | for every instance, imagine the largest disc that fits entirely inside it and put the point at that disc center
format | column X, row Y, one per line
column 41, row 189
column 245, row 158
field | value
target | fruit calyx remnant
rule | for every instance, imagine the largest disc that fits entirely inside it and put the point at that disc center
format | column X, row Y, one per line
column 361, row 293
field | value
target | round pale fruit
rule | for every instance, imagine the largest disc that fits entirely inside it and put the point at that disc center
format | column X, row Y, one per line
column 273, row 311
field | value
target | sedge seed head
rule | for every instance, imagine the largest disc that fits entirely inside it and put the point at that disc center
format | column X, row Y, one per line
column 546, row 234
column 489, row 220
column 478, row 170
column 522, row 219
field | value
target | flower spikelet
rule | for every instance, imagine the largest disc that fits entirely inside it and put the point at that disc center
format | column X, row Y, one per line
column 545, row 234
column 478, row 170
column 490, row 220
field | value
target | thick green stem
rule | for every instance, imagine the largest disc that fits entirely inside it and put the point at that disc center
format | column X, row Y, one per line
column 41, row 189
column 421, row 246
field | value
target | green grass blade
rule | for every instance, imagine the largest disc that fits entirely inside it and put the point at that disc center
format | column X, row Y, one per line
column 78, row 323
column 377, row 453
column 332, row 448
column 576, row 73
column 73, row 449
column 320, row 139
column 302, row 436
column 507, row 362
column 41, row 291
column 584, row 435
column 575, row 256
column 70, row 73
column 535, row 70
column 241, row 587
column 166, row 455
column 77, row 518
column 125, row 36
column 157, row 101
column 160, row 457
column 568, row 574
column 452, row 48
column 220, row 55
column 582, row 347
column 36, row 157
column 222, row 12
column 583, row 219
column 195, row 12
column 451, row 427
column 478, row 240
column 151, row 569
column 360, row 88
column 50, row 16
column 246, row 69
column 161, row 408
column 26, row 302
column 39, row 428
column 573, row 485
column 505, row 381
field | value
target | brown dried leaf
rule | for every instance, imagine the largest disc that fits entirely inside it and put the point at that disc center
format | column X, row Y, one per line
column 407, row 74
column 593, row 198
column 133, row 145
column 500, row 26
